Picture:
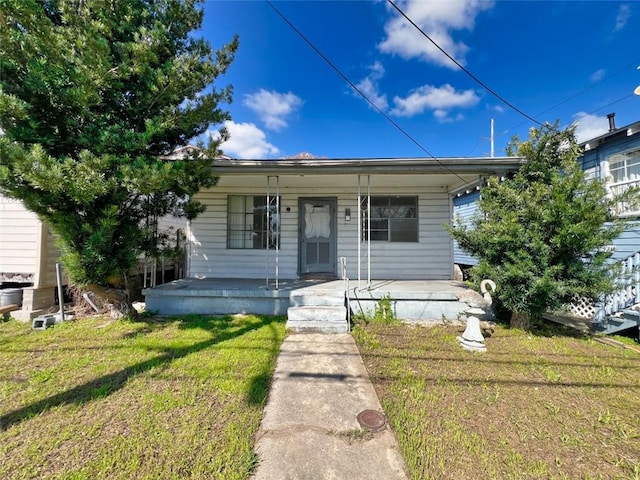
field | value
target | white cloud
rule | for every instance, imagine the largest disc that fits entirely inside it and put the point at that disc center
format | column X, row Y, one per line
column 273, row 107
column 589, row 126
column 624, row 13
column 245, row 141
column 369, row 86
column 597, row 76
column 443, row 116
column 436, row 18
column 440, row 99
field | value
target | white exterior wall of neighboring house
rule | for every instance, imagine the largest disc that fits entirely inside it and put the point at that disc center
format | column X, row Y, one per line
column 19, row 236
column 429, row 258
column 27, row 255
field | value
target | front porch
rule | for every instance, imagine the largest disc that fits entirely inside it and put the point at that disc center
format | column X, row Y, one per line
column 313, row 304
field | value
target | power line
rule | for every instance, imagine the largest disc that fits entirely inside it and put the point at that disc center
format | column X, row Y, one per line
column 480, row 82
column 355, row 87
column 571, row 97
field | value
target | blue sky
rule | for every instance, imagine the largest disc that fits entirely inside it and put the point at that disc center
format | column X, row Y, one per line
column 572, row 61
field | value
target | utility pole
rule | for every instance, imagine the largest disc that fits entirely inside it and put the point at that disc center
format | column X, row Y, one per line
column 492, row 139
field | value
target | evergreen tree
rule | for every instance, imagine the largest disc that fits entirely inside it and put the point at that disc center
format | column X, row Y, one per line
column 93, row 94
column 542, row 234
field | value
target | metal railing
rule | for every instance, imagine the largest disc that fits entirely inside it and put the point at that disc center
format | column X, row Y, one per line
column 345, row 279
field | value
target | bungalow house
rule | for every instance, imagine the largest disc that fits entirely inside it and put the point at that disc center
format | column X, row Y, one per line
column 615, row 158
column 274, row 227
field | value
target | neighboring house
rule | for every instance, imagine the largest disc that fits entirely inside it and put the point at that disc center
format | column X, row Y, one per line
column 296, row 218
column 465, row 206
column 27, row 258
column 615, row 158
column 28, row 255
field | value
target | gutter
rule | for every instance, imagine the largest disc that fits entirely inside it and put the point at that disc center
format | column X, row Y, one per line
column 383, row 166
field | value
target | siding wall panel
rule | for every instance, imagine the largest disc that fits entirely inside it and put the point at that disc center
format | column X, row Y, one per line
column 429, row 258
column 464, row 208
column 19, row 230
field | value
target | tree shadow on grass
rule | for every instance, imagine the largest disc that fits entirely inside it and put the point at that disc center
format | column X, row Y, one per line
column 260, row 384
column 106, row 385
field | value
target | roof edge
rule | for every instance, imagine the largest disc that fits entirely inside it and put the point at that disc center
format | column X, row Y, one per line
column 449, row 165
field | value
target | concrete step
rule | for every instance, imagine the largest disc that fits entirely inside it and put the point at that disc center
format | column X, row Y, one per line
column 316, row 299
column 320, row 326
column 631, row 313
column 319, row 313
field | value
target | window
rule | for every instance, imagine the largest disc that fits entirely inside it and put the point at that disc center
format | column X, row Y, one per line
column 624, row 173
column 248, row 225
column 393, row 219
column 625, row 167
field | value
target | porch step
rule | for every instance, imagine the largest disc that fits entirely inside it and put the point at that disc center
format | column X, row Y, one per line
column 319, row 318
column 316, row 299
column 319, row 326
column 628, row 319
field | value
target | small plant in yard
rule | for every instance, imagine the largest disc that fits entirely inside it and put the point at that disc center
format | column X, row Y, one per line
column 179, row 398
column 382, row 314
column 556, row 405
column 384, row 311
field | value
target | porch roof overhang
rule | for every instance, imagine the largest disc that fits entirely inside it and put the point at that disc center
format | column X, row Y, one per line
column 480, row 166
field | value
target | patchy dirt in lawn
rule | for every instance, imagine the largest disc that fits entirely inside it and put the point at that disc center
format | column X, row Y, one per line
column 549, row 405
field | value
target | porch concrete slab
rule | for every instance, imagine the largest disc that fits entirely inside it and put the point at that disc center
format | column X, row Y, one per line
column 415, row 300
column 310, row 428
column 246, row 287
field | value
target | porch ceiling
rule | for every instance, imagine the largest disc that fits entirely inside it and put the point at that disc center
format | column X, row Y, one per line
column 450, row 173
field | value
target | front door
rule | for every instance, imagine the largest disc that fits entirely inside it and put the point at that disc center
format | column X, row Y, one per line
column 317, row 237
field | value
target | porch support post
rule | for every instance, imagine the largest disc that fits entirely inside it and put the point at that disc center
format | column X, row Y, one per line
column 268, row 231
column 359, row 230
column 278, row 219
column 273, row 231
column 368, row 231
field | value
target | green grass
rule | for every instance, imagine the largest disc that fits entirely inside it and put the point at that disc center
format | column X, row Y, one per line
column 164, row 399
column 551, row 405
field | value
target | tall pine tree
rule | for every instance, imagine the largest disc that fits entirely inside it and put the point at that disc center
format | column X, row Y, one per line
column 93, row 94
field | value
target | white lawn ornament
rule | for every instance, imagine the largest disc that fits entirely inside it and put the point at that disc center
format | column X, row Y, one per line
column 472, row 338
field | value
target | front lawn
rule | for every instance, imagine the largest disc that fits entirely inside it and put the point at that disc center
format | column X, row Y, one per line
column 547, row 406
column 165, row 399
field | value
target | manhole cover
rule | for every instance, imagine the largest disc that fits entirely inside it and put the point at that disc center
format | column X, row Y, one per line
column 372, row 420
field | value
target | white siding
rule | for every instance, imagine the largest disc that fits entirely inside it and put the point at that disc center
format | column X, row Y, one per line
column 19, row 232
column 430, row 258
column 27, row 247
column 49, row 258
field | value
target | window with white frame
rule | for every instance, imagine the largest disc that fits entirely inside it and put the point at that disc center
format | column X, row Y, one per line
column 623, row 172
column 625, row 167
column 250, row 224
column 393, row 219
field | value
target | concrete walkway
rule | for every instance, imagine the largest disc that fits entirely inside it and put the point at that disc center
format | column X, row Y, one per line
column 310, row 428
